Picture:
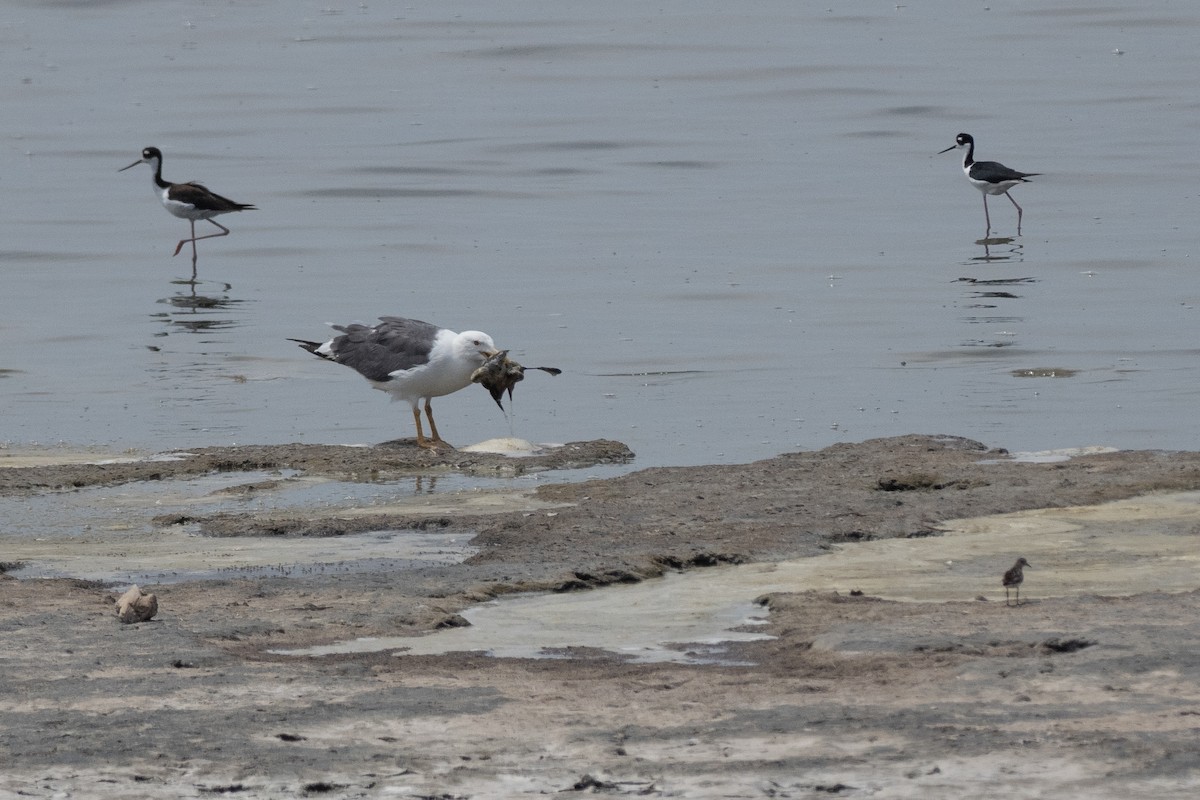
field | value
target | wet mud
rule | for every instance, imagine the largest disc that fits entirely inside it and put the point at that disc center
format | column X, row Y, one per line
column 855, row 695
column 389, row 460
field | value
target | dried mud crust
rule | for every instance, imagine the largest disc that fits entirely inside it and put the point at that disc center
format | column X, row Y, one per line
column 1085, row 697
column 856, row 697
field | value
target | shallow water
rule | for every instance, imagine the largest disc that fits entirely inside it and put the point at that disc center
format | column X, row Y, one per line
column 727, row 224
column 110, row 533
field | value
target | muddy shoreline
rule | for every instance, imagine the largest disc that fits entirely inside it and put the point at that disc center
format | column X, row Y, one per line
column 880, row 698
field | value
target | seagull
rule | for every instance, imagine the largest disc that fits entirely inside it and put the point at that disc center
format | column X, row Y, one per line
column 190, row 201
column 411, row 359
column 1014, row 578
column 989, row 177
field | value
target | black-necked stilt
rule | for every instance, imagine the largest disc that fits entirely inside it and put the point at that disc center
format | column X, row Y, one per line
column 1014, row 578
column 410, row 359
column 989, row 177
column 190, row 201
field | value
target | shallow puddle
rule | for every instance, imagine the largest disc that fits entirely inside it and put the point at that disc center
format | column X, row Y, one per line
column 698, row 609
column 131, row 505
column 1121, row 548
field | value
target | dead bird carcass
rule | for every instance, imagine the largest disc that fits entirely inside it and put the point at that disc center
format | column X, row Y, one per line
column 500, row 374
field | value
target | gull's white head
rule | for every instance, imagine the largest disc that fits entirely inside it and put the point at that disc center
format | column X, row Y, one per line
column 476, row 345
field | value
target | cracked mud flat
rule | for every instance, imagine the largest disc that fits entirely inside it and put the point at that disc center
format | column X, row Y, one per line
column 908, row 690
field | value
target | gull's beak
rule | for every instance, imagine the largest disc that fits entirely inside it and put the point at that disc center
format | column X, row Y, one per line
column 134, row 164
column 947, row 150
column 484, row 353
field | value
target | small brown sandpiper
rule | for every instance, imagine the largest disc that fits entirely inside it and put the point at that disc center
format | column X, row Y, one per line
column 1014, row 578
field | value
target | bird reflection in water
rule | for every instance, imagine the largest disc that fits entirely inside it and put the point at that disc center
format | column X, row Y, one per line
column 1007, row 249
column 196, row 311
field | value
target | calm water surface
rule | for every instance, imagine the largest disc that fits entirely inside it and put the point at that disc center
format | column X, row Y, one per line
column 726, row 223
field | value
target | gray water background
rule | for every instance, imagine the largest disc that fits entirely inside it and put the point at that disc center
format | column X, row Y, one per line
column 725, row 222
